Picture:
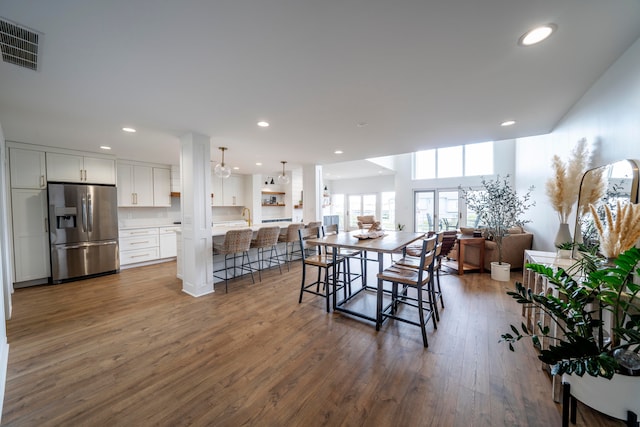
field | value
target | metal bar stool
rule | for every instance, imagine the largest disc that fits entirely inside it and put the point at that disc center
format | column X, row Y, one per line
column 236, row 245
column 266, row 239
column 290, row 238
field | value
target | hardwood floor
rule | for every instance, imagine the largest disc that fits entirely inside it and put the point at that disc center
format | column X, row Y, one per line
column 133, row 350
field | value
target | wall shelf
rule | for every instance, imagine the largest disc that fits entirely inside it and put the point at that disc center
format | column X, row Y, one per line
column 273, row 204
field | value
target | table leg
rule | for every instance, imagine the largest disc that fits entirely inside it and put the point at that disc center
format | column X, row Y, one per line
column 379, row 293
column 460, row 258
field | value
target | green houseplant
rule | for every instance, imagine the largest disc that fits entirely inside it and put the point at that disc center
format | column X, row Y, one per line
column 581, row 343
column 499, row 207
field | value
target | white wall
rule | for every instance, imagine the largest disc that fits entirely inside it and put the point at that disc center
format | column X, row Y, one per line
column 5, row 272
column 608, row 115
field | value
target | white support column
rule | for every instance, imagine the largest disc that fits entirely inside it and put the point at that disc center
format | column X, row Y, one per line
column 197, row 244
column 312, row 187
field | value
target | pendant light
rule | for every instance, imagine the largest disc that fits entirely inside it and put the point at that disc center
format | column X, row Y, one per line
column 221, row 170
column 283, row 179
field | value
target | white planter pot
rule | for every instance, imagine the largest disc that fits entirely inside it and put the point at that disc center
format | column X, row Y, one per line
column 565, row 253
column 501, row 272
column 612, row 397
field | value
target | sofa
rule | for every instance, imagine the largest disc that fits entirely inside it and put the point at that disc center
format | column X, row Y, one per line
column 513, row 247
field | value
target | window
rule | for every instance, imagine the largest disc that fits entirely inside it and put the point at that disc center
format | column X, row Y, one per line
column 388, row 210
column 478, row 159
column 451, row 162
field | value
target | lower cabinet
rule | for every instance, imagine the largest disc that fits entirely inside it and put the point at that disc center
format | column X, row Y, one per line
column 139, row 245
column 146, row 244
column 168, row 242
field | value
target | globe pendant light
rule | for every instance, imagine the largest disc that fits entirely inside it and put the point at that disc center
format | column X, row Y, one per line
column 221, row 170
column 283, row 179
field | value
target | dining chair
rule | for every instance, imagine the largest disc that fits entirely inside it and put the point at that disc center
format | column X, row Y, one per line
column 235, row 246
column 348, row 254
column 415, row 278
column 290, row 237
column 266, row 240
column 325, row 262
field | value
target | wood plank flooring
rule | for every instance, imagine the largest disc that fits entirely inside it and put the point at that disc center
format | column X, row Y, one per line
column 133, row 350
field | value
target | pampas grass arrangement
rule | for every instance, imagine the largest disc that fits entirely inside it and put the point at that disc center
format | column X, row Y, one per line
column 563, row 187
column 620, row 233
column 593, row 189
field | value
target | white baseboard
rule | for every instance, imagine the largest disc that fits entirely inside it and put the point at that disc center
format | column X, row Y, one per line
column 4, row 361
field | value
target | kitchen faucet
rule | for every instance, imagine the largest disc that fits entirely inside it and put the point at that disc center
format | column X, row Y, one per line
column 248, row 211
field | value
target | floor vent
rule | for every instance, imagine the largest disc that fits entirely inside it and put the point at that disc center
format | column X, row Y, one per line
column 19, row 45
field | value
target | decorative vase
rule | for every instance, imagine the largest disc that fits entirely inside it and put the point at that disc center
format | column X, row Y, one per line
column 500, row 272
column 564, row 235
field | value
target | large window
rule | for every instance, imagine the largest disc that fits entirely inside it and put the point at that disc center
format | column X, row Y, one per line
column 451, row 162
column 388, row 210
column 436, row 210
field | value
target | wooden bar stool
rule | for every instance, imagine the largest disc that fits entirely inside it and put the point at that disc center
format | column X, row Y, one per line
column 324, row 261
column 411, row 278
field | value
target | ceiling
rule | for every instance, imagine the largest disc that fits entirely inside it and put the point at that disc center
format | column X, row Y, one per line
column 368, row 77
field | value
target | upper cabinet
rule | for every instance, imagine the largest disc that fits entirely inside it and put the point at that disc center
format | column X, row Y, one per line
column 74, row 168
column 229, row 191
column 143, row 186
column 162, row 187
column 28, row 168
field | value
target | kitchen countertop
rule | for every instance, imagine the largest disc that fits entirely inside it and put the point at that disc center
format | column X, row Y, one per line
column 220, row 230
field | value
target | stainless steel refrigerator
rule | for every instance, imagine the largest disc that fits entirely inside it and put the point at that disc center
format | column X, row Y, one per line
column 83, row 230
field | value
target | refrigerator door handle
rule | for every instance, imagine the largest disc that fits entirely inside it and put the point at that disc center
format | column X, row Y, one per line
column 84, row 214
column 90, row 213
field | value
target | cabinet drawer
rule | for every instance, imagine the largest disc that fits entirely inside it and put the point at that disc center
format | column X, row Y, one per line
column 138, row 255
column 138, row 242
column 167, row 230
column 139, row 232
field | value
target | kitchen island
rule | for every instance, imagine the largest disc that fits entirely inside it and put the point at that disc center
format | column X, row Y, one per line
column 218, row 232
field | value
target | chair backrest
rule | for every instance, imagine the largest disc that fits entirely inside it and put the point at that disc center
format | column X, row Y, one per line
column 448, row 241
column 330, row 230
column 427, row 257
column 305, row 234
column 292, row 231
column 439, row 239
column 267, row 237
column 314, row 224
column 237, row 240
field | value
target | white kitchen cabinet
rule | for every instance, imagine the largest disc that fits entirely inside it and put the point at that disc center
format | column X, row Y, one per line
column 28, row 168
column 138, row 245
column 30, row 234
column 77, row 168
column 135, row 185
column 168, row 242
column 229, row 191
column 162, row 187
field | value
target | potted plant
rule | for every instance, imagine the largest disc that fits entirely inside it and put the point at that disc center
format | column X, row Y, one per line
column 592, row 327
column 565, row 249
column 499, row 208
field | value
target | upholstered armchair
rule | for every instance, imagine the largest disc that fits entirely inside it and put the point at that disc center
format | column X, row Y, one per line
column 365, row 221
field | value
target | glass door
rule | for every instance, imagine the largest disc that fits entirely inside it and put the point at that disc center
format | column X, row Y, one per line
column 436, row 210
column 359, row 204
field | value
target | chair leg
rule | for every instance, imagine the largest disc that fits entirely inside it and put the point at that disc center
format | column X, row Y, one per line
column 247, row 265
column 422, row 322
column 304, row 275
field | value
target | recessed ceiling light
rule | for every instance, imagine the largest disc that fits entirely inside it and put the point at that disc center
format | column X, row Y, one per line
column 105, row 147
column 130, row 130
column 235, row 168
column 508, row 123
column 536, row 35
column 258, row 164
column 263, row 124
column 337, row 152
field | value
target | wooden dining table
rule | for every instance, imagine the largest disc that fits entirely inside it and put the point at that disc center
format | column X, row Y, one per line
column 391, row 242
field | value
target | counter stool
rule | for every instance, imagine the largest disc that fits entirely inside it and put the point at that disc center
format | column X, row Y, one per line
column 267, row 239
column 235, row 246
column 415, row 278
column 290, row 238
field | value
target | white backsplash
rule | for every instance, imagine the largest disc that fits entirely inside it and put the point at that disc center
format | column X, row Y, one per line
column 150, row 217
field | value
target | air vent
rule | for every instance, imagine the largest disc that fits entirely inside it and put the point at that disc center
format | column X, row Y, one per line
column 19, row 45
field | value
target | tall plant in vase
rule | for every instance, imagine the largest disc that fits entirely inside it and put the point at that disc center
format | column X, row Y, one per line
column 499, row 207
column 564, row 186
